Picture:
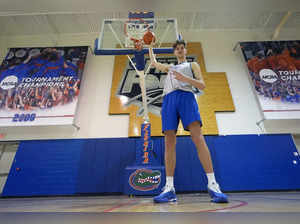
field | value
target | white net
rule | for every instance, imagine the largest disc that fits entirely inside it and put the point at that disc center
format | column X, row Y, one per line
column 135, row 29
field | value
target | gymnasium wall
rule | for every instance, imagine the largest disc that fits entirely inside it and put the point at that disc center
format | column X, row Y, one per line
column 219, row 56
column 296, row 139
column 95, row 166
column 90, row 165
column 7, row 154
column 93, row 117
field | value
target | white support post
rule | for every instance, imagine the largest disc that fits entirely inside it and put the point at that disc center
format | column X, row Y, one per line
column 144, row 95
column 141, row 75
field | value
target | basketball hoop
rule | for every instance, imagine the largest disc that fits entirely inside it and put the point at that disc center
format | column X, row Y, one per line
column 138, row 44
column 134, row 30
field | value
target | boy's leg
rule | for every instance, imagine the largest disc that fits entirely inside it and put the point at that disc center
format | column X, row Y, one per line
column 170, row 152
column 202, row 149
column 168, row 194
column 170, row 122
column 205, row 159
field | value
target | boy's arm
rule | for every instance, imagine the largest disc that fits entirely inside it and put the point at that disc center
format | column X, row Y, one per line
column 198, row 75
column 198, row 82
column 159, row 66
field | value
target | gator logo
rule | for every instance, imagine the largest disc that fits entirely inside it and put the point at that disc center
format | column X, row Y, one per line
column 145, row 180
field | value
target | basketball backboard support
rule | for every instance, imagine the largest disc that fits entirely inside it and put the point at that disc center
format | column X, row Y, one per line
column 115, row 35
column 121, row 37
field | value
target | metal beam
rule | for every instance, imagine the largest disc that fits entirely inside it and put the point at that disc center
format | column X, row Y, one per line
column 193, row 21
column 54, row 29
column 52, row 25
column 267, row 19
column 281, row 24
column 4, row 14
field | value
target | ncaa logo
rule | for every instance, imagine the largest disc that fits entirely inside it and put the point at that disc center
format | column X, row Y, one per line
column 9, row 82
column 268, row 75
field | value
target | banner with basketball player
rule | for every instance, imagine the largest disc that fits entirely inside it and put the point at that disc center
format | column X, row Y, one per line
column 274, row 68
column 40, row 86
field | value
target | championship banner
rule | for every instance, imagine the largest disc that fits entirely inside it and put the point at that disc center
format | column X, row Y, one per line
column 274, row 68
column 40, row 86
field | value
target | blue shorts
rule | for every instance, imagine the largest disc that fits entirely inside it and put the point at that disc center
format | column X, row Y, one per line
column 177, row 105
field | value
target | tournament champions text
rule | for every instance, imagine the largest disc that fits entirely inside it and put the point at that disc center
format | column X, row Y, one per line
column 43, row 80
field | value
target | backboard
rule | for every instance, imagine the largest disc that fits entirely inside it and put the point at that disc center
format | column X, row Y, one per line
column 116, row 35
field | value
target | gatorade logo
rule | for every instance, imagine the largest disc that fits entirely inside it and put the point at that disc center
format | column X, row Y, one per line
column 268, row 75
column 9, row 82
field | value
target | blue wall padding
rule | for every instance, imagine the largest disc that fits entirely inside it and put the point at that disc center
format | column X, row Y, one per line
column 102, row 164
column 251, row 162
column 91, row 166
column 189, row 174
column 46, row 168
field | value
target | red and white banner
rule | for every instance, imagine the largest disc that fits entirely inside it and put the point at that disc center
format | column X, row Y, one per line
column 274, row 68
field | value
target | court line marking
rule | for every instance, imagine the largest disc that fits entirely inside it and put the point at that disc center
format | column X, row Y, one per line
column 120, row 205
column 241, row 204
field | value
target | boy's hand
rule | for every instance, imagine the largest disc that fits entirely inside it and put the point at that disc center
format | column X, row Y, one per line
column 152, row 43
column 152, row 63
column 180, row 77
